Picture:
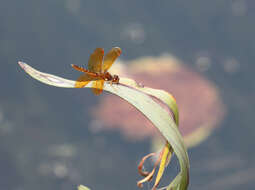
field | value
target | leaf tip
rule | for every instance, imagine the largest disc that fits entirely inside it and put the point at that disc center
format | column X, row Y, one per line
column 82, row 187
column 22, row 64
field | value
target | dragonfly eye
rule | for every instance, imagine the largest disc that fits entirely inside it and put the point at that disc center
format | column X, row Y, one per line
column 115, row 78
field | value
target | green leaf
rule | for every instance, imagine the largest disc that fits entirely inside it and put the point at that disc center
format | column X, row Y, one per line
column 151, row 102
column 82, row 187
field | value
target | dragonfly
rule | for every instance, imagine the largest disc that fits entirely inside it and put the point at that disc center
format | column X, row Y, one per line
column 97, row 72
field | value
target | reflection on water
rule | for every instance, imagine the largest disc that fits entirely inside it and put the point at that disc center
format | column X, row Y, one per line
column 201, row 108
column 134, row 32
column 239, row 8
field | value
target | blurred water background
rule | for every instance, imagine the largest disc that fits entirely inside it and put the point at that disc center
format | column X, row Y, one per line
column 45, row 139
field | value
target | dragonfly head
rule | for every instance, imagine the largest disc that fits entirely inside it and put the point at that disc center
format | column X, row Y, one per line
column 115, row 79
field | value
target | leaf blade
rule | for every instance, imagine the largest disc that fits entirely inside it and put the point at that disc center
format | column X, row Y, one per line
column 140, row 98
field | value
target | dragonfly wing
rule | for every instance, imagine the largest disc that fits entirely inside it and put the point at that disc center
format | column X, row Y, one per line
column 95, row 60
column 110, row 57
column 83, row 80
column 97, row 87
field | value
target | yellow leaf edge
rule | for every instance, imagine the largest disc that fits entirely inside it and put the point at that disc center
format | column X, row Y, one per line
column 82, row 187
column 139, row 97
